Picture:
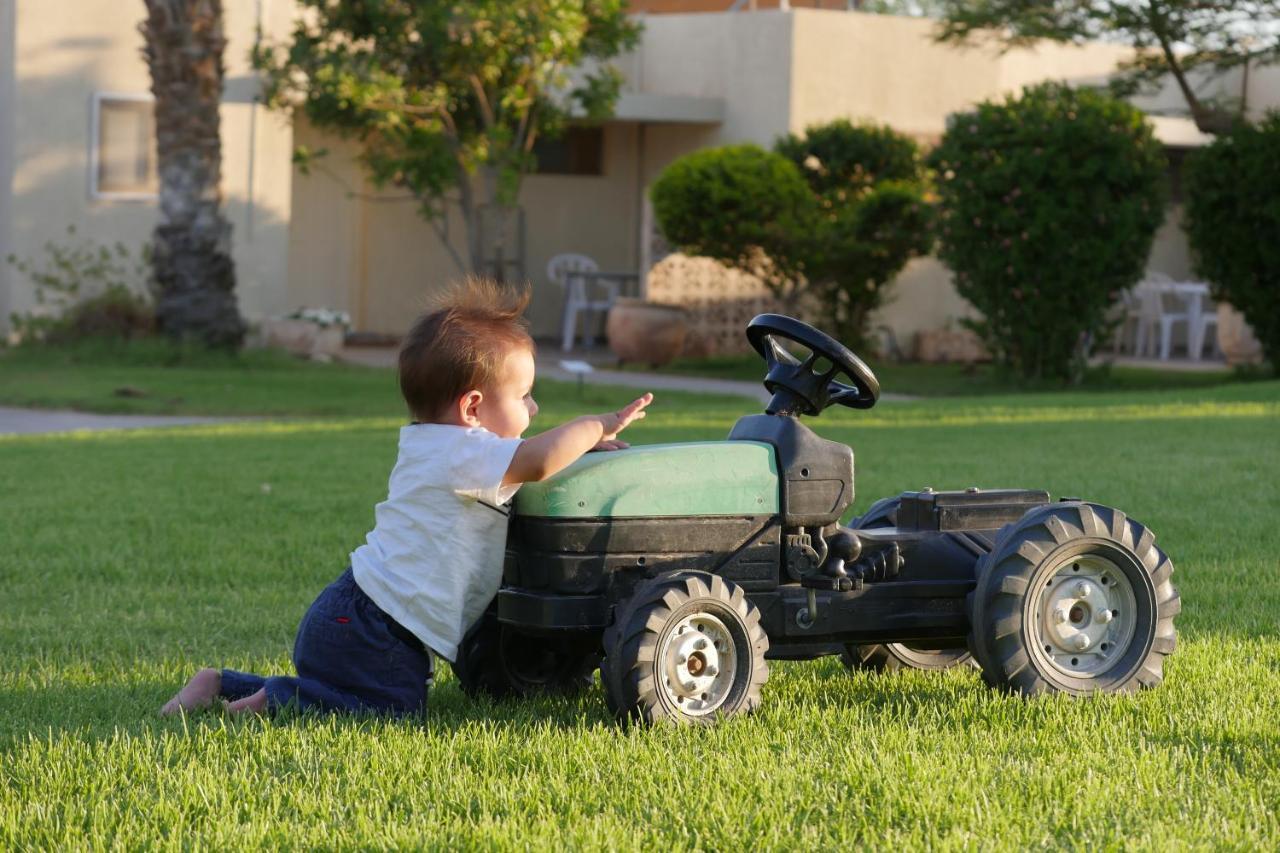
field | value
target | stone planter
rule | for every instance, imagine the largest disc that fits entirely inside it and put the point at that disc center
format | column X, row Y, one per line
column 949, row 345
column 646, row 332
column 1235, row 337
column 303, row 337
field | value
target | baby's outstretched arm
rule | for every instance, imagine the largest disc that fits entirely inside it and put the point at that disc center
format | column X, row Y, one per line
column 539, row 457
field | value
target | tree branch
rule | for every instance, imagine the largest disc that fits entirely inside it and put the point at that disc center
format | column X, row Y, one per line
column 486, row 110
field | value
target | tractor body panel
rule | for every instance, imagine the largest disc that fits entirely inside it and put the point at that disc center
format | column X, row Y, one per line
column 712, row 478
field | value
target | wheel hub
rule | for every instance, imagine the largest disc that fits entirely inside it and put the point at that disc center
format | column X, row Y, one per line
column 698, row 660
column 1086, row 615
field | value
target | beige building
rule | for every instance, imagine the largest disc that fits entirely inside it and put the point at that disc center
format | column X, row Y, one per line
column 74, row 151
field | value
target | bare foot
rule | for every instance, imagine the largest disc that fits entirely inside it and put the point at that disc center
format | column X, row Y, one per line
column 255, row 704
column 198, row 693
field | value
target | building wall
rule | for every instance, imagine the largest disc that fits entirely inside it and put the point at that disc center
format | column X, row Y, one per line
column 372, row 254
column 744, row 59
column 8, row 99
column 60, row 61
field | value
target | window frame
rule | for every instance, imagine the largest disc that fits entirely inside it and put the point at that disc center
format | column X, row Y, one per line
column 96, row 193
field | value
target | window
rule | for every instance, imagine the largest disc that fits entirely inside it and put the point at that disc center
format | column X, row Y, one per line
column 122, row 154
column 577, row 151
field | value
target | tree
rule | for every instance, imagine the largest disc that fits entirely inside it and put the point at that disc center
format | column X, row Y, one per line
column 740, row 204
column 836, row 213
column 193, row 274
column 870, row 217
column 1233, row 218
column 1171, row 37
column 447, row 99
column 1049, row 204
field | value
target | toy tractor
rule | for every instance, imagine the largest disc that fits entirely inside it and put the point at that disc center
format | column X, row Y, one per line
column 681, row 569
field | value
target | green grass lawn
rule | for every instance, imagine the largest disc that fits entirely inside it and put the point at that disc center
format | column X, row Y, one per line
column 962, row 380
column 133, row 558
column 149, row 378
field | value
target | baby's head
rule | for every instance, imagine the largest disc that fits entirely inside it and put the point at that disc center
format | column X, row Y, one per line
column 469, row 360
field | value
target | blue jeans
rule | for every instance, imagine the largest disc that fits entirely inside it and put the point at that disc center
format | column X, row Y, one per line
column 350, row 656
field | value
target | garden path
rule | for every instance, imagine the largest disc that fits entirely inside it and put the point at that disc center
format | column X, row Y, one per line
column 14, row 420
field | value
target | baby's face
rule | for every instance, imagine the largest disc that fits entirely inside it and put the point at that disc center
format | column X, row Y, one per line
column 506, row 409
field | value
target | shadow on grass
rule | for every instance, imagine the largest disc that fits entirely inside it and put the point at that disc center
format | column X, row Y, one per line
column 107, row 711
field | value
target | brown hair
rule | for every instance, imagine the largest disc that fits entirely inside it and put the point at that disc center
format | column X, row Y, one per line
column 461, row 343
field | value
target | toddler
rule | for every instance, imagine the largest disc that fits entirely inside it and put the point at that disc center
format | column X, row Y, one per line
column 433, row 561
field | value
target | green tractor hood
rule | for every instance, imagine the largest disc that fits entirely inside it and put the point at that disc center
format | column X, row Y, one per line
column 690, row 479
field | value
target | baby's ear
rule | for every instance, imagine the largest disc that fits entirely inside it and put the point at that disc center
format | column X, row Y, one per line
column 469, row 407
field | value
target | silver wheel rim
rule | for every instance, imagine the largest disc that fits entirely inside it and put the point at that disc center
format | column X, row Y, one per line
column 697, row 663
column 1083, row 617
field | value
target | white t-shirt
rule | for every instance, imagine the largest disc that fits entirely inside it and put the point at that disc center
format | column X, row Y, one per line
column 433, row 560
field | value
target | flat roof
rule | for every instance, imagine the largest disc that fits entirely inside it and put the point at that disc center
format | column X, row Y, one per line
column 668, row 109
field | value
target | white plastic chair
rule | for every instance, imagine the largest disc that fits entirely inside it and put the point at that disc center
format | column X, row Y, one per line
column 1196, row 338
column 561, row 269
column 1155, row 310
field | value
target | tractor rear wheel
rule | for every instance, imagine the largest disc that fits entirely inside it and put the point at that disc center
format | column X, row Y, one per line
column 890, row 657
column 502, row 662
column 1074, row 598
column 687, row 648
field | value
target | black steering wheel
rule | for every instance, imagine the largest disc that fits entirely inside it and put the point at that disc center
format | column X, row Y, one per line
column 799, row 389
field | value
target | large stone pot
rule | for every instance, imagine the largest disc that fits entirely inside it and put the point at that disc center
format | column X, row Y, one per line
column 303, row 337
column 1235, row 337
column 646, row 332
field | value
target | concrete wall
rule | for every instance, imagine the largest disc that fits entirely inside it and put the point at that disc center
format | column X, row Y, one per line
column 373, row 255
column 745, row 59
column 8, row 100
column 60, row 60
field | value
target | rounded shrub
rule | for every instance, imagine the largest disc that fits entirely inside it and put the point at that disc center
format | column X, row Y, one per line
column 837, row 212
column 732, row 204
column 1049, row 204
column 871, row 217
column 1232, row 189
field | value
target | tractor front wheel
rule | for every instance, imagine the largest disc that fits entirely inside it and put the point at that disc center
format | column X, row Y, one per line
column 687, row 648
column 1074, row 598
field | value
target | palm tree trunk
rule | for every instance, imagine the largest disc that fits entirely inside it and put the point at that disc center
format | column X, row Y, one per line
column 193, row 274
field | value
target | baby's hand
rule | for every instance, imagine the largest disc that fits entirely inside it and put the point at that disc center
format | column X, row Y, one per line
column 616, row 422
column 609, row 444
